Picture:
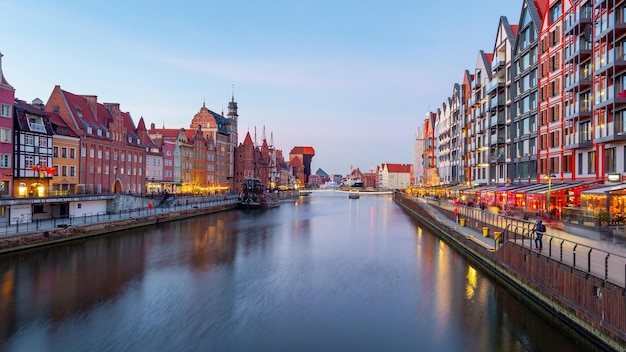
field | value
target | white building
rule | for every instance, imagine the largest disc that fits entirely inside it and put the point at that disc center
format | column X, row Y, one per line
column 395, row 176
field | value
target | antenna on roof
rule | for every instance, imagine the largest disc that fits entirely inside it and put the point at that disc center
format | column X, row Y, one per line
column 164, row 124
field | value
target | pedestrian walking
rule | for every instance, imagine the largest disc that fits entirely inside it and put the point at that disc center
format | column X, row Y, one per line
column 539, row 230
column 456, row 214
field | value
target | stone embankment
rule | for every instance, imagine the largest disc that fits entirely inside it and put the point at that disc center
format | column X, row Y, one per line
column 46, row 237
column 584, row 302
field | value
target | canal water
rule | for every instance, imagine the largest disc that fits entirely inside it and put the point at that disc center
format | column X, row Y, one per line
column 318, row 273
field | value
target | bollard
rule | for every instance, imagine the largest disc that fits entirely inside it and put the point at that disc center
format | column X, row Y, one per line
column 497, row 236
column 485, row 231
column 462, row 222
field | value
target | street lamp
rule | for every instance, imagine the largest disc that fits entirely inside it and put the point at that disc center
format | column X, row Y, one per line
column 549, row 177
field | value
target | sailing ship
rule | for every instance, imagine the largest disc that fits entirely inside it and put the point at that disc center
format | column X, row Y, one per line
column 255, row 195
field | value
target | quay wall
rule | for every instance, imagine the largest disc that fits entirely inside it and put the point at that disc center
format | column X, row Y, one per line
column 587, row 304
column 60, row 235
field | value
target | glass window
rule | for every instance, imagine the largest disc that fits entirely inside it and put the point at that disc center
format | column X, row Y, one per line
column 5, row 160
column 5, row 135
column 5, row 110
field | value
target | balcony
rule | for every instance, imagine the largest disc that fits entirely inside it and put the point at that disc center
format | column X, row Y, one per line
column 613, row 131
column 615, row 94
column 496, row 103
column 611, row 26
column 577, row 48
column 578, row 140
column 497, row 63
column 494, row 84
column 577, row 81
column 583, row 16
column 497, row 120
column 614, row 58
column 496, row 139
column 578, row 109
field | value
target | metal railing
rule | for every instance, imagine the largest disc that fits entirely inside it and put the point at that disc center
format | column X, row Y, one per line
column 39, row 225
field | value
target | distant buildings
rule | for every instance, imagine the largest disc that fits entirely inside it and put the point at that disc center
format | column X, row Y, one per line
column 75, row 144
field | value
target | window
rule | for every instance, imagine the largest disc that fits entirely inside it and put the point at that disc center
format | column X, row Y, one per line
column 580, row 164
column 72, row 171
column 91, row 153
column 5, row 135
column 609, row 159
column 83, row 152
column 29, row 139
column 55, row 152
column 555, row 12
column 92, row 168
column 115, row 155
column 99, row 154
column 107, row 155
column 64, row 170
column 63, row 152
column 122, row 157
column 591, row 162
column 5, row 110
column 29, row 161
column 5, row 160
column 72, row 153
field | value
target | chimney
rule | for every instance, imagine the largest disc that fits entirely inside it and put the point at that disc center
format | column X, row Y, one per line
column 92, row 101
column 152, row 126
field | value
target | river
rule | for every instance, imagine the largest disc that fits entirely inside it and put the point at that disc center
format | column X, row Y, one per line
column 318, row 273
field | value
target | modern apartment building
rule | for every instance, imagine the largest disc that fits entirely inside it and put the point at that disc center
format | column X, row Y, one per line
column 523, row 128
column 479, row 132
column 449, row 141
column 577, row 90
column 499, row 93
column 553, row 159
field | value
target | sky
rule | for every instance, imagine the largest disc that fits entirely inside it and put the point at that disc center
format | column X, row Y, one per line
column 352, row 79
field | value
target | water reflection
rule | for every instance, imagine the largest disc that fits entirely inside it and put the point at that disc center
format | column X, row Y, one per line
column 318, row 273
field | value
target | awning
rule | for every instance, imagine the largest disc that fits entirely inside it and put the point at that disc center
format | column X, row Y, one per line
column 178, row 184
column 460, row 188
column 565, row 185
column 605, row 188
column 527, row 188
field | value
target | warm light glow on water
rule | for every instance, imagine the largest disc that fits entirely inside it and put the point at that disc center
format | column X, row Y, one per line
column 471, row 282
column 324, row 273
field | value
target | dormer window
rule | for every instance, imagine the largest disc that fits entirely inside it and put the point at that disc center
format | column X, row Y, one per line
column 89, row 130
column 35, row 124
column 100, row 132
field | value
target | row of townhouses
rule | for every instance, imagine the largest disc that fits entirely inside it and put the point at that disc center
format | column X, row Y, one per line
column 75, row 145
column 546, row 104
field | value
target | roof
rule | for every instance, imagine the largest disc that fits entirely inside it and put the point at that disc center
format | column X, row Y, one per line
column 303, row 150
column 603, row 189
column 248, row 139
column 399, row 168
column 60, row 127
column 22, row 112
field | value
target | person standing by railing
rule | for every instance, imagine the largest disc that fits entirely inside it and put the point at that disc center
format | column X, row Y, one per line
column 539, row 230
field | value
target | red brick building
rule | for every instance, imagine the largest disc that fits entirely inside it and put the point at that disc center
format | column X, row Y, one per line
column 112, row 158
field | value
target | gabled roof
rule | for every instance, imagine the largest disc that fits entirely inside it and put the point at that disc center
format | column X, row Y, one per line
column 248, row 139
column 23, row 111
column 59, row 126
column 3, row 80
column 398, row 168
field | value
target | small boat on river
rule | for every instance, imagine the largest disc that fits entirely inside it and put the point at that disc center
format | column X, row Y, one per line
column 354, row 194
column 254, row 195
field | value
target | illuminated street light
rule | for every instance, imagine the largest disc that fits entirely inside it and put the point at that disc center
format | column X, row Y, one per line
column 549, row 177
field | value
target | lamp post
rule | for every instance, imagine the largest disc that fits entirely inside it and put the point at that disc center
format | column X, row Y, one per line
column 549, row 177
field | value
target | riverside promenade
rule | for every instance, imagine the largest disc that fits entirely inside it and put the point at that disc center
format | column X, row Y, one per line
column 52, row 231
column 581, row 280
